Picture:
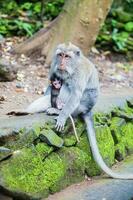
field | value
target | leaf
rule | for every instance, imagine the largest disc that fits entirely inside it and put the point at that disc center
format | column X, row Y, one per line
column 27, row 6
column 25, row 26
column 129, row 26
column 37, row 8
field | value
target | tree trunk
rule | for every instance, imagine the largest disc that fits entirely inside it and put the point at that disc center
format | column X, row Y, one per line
column 79, row 23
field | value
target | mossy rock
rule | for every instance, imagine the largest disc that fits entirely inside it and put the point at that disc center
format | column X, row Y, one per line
column 106, row 148
column 74, row 160
column 116, row 129
column 123, row 137
column 127, row 131
column 70, row 141
column 127, row 109
column 38, row 168
column 102, row 118
column 120, row 151
column 23, row 137
column 4, row 153
column 51, row 138
column 26, row 173
column 69, row 135
column 130, row 103
column 33, row 159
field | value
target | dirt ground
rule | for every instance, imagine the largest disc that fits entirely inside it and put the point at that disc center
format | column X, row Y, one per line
column 115, row 72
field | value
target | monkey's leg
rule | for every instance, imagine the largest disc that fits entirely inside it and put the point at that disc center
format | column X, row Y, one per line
column 95, row 151
column 39, row 105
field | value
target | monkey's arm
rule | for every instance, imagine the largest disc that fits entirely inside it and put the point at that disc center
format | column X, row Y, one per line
column 69, row 107
column 48, row 90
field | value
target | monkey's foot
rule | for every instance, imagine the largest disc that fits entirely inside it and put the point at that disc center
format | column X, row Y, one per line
column 52, row 111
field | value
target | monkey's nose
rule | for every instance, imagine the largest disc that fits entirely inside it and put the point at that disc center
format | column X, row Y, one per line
column 62, row 67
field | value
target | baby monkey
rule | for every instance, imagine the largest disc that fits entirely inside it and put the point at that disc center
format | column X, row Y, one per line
column 58, row 99
column 56, row 84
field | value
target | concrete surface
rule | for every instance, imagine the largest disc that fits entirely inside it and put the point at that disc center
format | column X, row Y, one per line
column 100, row 188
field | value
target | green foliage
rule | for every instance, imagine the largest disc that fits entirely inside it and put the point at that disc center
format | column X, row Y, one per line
column 26, row 17
column 116, row 33
column 52, row 8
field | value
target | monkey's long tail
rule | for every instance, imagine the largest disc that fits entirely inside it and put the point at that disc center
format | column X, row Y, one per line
column 74, row 128
column 95, row 151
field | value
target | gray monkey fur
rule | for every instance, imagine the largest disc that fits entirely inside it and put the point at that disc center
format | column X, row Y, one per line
column 79, row 94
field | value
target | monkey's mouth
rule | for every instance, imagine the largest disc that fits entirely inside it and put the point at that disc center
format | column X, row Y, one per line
column 62, row 70
column 63, row 74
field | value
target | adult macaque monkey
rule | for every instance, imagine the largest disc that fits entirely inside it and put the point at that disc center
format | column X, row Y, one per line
column 79, row 93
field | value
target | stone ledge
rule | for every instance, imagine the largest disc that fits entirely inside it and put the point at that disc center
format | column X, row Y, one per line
column 31, row 168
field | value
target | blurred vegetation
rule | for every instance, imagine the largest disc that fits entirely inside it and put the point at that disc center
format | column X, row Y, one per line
column 117, row 32
column 25, row 17
column 22, row 17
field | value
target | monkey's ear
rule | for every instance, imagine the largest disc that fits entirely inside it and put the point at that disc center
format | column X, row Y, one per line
column 77, row 53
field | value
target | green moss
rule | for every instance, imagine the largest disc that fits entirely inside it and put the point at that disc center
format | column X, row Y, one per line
column 48, row 126
column 105, row 144
column 51, row 138
column 106, row 148
column 116, row 129
column 69, row 136
column 37, row 128
column 123, row 137
column 24, row 137
column 26, row 172
column 120, row 152
column 127, row 109
column 91, row 167
column 102, row 118
column 70, row 141
column 75, row 161
column 127, row 131
column 80, row 127
column 43, row 149
column 38, row 170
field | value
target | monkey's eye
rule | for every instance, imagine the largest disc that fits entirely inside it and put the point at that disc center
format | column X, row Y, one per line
column 67, row 56
column 60, row 54
column 78, row 53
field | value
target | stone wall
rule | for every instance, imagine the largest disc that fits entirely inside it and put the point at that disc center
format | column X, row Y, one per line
column 36, row 160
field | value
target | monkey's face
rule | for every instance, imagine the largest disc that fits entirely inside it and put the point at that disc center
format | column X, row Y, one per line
column 57, row 84
column 67, row 58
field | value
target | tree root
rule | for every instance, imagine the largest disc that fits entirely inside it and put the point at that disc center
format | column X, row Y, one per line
column 39, row 42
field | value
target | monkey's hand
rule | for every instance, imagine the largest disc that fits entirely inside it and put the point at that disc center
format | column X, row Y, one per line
column 60, row 123
column 52, row 111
